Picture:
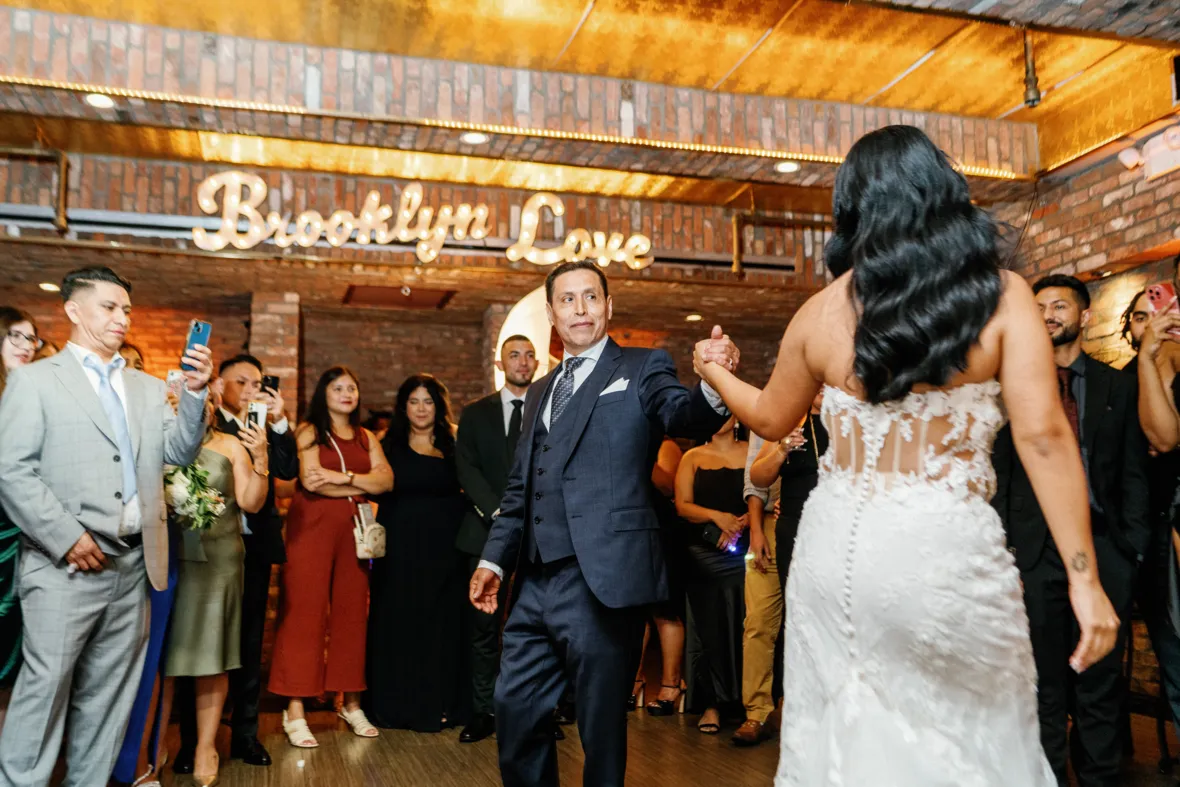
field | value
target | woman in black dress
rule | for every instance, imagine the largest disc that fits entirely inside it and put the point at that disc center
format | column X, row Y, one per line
column 417, row 590
column 709, row 486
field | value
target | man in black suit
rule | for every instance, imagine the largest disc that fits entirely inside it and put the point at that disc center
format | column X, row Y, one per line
column 578, row 514
column 241, row 382
column 484, row 450
column 1101, row 404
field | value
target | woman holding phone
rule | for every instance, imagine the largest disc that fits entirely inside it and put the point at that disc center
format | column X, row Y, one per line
column 709, row 484
column 325, row 590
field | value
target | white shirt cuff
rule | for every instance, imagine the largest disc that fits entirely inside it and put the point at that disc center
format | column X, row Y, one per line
column 280, row 426
column 491, row 567
column 201, row 394
column 714, row 399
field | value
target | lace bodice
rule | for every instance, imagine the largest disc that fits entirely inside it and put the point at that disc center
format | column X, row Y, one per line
column 942, row 438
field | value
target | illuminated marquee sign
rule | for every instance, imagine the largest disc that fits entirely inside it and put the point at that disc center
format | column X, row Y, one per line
column 242, row 194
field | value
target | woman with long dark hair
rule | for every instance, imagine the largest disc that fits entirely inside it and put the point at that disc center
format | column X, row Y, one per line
column 325, row 589
column 18, row 346
column 418, row 589
column 908, row 658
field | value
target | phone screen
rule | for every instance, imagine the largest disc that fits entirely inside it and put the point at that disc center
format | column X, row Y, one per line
column 198, row 333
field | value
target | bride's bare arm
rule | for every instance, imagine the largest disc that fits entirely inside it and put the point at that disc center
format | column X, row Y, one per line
column 776, row 410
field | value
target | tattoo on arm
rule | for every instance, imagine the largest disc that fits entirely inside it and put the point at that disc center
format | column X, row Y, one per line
column 1080, row 562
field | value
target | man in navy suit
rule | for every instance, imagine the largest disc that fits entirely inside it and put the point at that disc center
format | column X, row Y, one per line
column 577, row 522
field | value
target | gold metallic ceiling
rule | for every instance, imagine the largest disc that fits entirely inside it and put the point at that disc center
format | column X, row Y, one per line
column 817, row 49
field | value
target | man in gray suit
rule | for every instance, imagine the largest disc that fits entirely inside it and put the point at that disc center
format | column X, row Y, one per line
column 83, row 444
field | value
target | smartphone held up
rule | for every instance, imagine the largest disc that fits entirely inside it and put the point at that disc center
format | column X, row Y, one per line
column 1161, row 299
column 256, row 415
column 198, row 333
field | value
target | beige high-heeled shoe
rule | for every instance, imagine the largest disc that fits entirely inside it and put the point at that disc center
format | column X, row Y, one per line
column 359, row 722
column 298, row 733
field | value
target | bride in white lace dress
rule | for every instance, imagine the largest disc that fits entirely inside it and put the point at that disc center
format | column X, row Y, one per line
column 908, row 660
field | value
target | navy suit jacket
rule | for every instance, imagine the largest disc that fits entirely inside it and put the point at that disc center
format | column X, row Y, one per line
column 606, row 472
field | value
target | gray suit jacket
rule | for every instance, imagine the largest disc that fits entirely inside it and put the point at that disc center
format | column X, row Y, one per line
column 59, row 463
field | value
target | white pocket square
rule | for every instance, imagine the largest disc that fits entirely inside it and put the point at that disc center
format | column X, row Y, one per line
column 618, row 385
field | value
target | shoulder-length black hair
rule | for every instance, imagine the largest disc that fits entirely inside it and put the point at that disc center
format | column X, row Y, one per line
column 925, row 262
column 444, row 429
column 317, row 411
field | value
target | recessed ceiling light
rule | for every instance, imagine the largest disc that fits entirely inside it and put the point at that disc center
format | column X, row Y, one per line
column 49, row 286
column 786, row 167
column 474, row 138
column 100, row 100
column 693, row 318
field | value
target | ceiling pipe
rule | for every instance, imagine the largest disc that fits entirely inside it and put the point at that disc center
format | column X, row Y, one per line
column 1032, row 93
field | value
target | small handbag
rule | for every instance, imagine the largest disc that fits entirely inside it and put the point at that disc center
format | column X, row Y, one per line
column 368, row 534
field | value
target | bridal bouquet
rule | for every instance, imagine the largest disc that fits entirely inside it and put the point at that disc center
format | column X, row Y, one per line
column 191, row 498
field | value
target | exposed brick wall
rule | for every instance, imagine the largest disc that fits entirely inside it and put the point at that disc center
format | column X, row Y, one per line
column 1101, row 216
column 142, row 57
column 159, row 332
column 275, row 340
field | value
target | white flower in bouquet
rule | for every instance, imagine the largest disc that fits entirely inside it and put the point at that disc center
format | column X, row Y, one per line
column 191, row 498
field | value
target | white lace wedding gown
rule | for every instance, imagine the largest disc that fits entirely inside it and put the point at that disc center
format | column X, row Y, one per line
column 908, row 661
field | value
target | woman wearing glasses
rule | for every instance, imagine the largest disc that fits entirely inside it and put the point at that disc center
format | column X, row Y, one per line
column 18, row 345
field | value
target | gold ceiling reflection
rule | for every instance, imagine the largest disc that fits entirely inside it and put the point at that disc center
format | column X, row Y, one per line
column 146, row 142
column 809, row 49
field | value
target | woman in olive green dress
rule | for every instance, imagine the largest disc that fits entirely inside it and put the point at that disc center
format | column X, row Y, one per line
column 206, row 619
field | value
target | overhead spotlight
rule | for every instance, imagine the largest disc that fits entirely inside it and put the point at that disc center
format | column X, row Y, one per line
column 1104, row 274
column 49, row 286
column 474, row 138
column 1032, row 93
column 787, row 167
column 693, row 318
column 100, row 100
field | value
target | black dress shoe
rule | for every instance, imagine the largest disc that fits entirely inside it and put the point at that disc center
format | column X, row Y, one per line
column 249, row 751
column 183, row 761
column 480, row 727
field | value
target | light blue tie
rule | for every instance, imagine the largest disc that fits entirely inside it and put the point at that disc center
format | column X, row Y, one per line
column 113, row 407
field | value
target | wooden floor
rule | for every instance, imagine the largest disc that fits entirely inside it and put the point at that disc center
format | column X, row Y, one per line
column 663, row 751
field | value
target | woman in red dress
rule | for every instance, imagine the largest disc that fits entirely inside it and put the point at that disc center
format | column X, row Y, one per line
column 325, row 588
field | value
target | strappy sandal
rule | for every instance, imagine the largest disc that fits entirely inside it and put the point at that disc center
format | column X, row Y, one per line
column 359, row 722
column 298, row 733
column 708, row 727
column 658, row 707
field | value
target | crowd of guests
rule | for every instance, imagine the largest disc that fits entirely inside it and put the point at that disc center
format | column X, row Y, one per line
column 394, row 636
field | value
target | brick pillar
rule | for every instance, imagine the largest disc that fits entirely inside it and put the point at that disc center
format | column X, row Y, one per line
column 274, row 339
column 493, row 320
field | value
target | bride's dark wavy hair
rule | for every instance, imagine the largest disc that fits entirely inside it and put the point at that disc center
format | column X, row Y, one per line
column 925, row 262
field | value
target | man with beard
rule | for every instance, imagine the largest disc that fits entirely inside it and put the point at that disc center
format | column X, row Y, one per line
column 1101, row 404
column 484, row 450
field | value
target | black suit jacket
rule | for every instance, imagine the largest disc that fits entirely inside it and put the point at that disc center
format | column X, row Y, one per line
column 1117, row 451
column 606, row 472
column 481, row 460
column 266, row 541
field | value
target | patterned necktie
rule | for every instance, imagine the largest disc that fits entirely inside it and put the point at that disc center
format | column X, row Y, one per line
column 514, row 429
column 1065, row 386
column 113, row 407
column 564, row 390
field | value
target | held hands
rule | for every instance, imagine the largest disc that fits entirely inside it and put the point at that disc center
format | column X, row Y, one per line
column 719, row 350
column 1163, row 327
column 85, row 555
column 484, row 590
column 731, row 528
column 1097, row 620
column 200, row 358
